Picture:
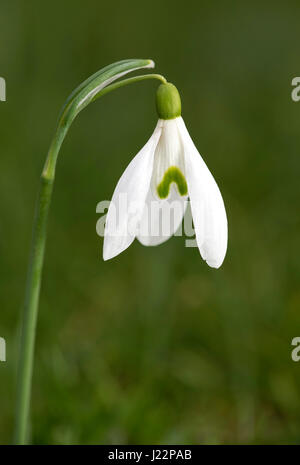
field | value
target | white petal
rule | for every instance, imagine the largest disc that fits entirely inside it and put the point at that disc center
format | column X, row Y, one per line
column 207, row 205
column 168, row 153
column 161, row 218
column 128, row 200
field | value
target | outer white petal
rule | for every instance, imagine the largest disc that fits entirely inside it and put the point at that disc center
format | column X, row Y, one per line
column 207, row 205
column 128, row 200
column 161, row 218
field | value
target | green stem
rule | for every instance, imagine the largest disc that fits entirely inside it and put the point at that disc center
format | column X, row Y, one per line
column 30, row 313
column 131, row 80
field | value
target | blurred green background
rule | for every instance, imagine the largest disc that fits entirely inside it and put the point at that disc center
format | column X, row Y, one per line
column 154, row 346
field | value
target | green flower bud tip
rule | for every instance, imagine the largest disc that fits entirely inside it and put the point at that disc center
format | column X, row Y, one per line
column 168, row 103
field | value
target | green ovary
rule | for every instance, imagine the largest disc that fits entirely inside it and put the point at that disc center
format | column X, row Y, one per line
column 173, row 174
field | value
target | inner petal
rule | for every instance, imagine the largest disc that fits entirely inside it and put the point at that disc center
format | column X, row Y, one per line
column 169, row 166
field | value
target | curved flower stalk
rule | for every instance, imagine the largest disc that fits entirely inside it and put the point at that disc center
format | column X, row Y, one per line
column 163, row 174
column 94, row 87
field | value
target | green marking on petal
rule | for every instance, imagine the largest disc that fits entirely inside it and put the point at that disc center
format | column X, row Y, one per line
column 173, row 174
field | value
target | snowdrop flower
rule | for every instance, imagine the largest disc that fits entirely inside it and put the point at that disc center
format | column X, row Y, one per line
column 168, row 168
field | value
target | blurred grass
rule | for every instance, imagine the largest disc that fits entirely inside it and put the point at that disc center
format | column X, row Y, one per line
column 155, row 347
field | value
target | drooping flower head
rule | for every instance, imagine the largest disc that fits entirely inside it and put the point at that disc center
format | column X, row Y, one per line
column 166, row 172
